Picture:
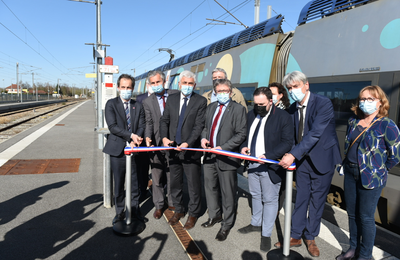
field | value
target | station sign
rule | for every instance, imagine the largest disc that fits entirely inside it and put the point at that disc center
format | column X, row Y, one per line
column 108, row 69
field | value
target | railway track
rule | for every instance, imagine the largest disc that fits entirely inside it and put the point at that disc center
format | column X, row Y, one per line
column 12, row 123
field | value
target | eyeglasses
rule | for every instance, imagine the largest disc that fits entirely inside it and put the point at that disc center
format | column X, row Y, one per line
column 370, row 100
column 226, row 91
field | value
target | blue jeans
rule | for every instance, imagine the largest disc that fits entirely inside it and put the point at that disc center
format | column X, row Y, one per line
column 361, row 204
column 264, row 198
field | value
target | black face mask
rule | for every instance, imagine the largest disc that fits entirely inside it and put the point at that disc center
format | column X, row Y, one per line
column 261, row 110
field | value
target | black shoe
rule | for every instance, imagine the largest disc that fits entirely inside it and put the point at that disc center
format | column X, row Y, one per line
column 222, row 234
column 137, row 215
column 211, row 222
column 249, row 228
column 265, row 244
column 118, row 218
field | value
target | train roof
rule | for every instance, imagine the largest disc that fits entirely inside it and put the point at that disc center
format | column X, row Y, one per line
column 255, row 32
column 320, row 8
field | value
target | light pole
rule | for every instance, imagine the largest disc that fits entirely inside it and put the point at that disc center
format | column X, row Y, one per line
column 99, row 55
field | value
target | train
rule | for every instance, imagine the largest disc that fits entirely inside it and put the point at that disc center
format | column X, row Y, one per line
column 342, row 46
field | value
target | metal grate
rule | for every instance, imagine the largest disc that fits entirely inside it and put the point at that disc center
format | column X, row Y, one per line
column 18, row 167
column 321, row 8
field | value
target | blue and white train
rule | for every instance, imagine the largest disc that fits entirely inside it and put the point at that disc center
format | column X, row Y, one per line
column 342, row 46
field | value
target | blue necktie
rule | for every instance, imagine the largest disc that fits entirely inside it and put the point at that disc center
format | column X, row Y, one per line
column 128, row 117
column 178, row 137
column 254, row 139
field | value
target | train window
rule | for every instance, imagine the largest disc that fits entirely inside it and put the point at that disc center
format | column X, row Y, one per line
column 193, row 69
column 201, row 67
column 248, row 95
column 342, row 94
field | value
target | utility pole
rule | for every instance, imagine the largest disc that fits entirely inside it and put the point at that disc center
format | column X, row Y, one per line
column 33, row 84
column 256, row 11
column 58, row 87
column 18, row 85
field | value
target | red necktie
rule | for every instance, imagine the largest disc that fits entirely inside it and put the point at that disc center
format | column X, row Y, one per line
column 163, row 100
column 214, row 125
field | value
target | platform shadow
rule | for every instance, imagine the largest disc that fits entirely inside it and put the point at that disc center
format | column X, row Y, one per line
column 50, row 232
column 12, row 207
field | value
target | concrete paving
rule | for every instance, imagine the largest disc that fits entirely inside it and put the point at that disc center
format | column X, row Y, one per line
column 61, row 215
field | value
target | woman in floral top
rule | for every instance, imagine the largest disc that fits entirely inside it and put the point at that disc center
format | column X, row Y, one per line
column 371, row 150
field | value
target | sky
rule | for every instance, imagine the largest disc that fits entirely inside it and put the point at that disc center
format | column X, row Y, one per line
column 47, row 37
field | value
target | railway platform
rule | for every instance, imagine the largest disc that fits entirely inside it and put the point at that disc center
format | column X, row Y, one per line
column 51, row 206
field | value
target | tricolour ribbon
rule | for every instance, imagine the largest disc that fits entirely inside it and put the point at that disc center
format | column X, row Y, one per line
column 129, row 150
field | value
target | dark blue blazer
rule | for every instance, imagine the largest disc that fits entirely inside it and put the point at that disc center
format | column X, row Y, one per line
column 142, row 97
column 116, row 121
column 320, row 142
column 278, row 139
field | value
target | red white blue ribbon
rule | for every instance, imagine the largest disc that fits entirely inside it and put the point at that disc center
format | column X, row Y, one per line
column 129, row 150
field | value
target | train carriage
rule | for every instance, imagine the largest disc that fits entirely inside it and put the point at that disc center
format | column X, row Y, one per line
column 342, row 46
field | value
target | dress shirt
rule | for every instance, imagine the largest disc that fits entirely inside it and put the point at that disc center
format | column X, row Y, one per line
column 160, row 101
column 260, row 145
column 182, row 101
column 304, row 110
column 219, row 121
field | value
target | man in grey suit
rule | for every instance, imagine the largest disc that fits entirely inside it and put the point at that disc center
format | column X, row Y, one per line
column 181, row 125
column 125, row 120
column 225, row 129
column 154, row 108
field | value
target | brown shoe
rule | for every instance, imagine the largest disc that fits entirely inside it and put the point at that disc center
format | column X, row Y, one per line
column 175, row 218
column 293, row 243
column 190, row 222
column 158, row 213
column 312, row 248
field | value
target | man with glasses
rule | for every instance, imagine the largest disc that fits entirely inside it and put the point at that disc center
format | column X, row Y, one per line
column 225, row 129
column 236, row 95
column 316, row 153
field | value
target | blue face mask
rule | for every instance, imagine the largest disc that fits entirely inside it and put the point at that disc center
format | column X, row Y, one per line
column 126, row 94
column 223, row 98
column 157, row 89
column 368, row 108
column 296, row 94
column 186, row 90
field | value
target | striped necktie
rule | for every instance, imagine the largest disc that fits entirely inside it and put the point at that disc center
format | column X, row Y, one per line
column 127, row 114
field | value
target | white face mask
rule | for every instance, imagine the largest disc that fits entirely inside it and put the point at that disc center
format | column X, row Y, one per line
column 274, row 99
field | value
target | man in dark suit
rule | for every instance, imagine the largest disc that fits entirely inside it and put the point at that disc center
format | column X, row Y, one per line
column 225, row 129
column 270, row 135
column 316, row 153
column 154, row 107
column 143, row 159
column 125, row 120
column 181, row 125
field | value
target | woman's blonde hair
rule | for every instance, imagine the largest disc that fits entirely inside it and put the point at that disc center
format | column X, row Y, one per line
column 377, row 92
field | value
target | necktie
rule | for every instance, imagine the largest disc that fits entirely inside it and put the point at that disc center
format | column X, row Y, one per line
column 163, row 100
column 254, row 139
column 301, row 125
column 214, row 125
column 128, row 117
column 178, row 137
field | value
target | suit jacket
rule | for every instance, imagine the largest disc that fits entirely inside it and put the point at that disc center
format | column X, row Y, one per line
column 230, row 134
column 116, row 121
column 142, row 97
column 278, row 139
column 153, row 115
column 192, row 126
column 320, row 142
